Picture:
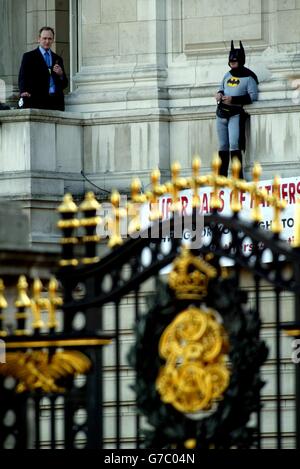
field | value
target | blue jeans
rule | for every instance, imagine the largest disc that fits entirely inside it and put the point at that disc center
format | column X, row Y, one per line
column 228, row 133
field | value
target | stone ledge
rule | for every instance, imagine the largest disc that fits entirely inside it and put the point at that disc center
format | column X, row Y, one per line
column 41, row 115
column 140, row 115
column 257, row 108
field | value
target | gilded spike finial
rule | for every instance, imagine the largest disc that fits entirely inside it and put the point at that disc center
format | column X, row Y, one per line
column 175, row 171
column 153, row 196
column 177, row 184
column 256, row 172
column 256, row 211
column 23, row 300
column 216, row 165
column 3, row 302
column 278, row 206
column 89, row 222
column 235, row 199
column 134, row 207
column 215, row 200
column 191, row 443
column 136, row 194
column 196, row 165
column 114, row 223
column 155, row 176
column 3, row 305
column 22, row 303
column 68, row 224
column 296, row 242
column 68, row 205
column 54, row 302
column 90, row 203
column 37, row 304
column 136, row 187
column 236, row 168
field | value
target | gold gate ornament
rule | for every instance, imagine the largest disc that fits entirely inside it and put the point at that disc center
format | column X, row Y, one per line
column 196, row 374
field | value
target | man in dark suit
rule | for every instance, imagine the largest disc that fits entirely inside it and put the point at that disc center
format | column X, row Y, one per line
column 42, row 77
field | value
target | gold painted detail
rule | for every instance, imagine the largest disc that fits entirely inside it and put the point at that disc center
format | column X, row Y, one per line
column 93, row 221
column 71, row 240
column 195, row 346
column 68, row 205
column 38, row 304
column 235, row 199
column 278, row 206
column 292, row 332
column 23, row 300
column 190, row 276
column 57, row 343
column 133, row 208
column 90, row 260
column 175, row 186
column 3, row 302
column 153, row 196
column 54, row 302
column 91, row 239
column 215, row 199
column 90, row 204
column 40, row 371
column 3, row 305
column 259, row 198
column 114, row 224
column 68, row 262
column 190, row 444
column 64, row 224
column 196, row 165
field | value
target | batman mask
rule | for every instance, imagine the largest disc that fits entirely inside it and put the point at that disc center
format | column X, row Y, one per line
column 237, row 54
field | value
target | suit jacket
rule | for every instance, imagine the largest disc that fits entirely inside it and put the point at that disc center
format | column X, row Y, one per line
column 34, row 78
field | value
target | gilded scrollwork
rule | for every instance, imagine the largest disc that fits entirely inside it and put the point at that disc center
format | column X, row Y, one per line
column 196, row 372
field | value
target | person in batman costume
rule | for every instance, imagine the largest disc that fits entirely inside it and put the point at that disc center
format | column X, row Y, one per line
column 239, row 87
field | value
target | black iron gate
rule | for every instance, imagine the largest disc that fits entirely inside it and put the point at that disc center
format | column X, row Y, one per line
column 197, row 352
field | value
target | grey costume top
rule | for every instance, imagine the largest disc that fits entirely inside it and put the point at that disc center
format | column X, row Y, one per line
column 239, row 86
column 243, row 90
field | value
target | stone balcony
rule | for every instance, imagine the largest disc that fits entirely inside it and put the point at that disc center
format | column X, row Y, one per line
column 44, row 154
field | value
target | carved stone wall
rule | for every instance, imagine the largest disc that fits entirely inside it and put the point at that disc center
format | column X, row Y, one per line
column 20, row 22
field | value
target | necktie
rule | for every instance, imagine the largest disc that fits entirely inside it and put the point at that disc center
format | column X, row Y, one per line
column 48, row 59
column 48, row 62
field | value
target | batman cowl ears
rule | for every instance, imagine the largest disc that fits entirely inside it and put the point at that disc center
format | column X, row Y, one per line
column 237, row 54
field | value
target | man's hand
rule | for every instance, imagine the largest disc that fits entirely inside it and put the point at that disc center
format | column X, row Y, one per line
column 227, row 99
column 218, row 97
column 25, row 95
column 58, row 70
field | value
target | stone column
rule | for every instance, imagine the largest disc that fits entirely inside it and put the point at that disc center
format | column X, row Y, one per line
column 122, row 72
column 13, row 33
column 121, row 55
column 54, row 13
column 20, row 22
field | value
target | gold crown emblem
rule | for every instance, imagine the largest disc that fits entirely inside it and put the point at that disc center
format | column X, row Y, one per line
column 190, row 276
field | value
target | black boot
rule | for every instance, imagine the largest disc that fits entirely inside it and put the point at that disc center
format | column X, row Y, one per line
column 238, row 155
column 224, row 155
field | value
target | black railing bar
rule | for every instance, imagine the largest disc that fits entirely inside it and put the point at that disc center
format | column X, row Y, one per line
column 37, row 421
column 137, row 418
column 278, row 369
column 52, row 421
column 117, row 371
column 257, row 307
